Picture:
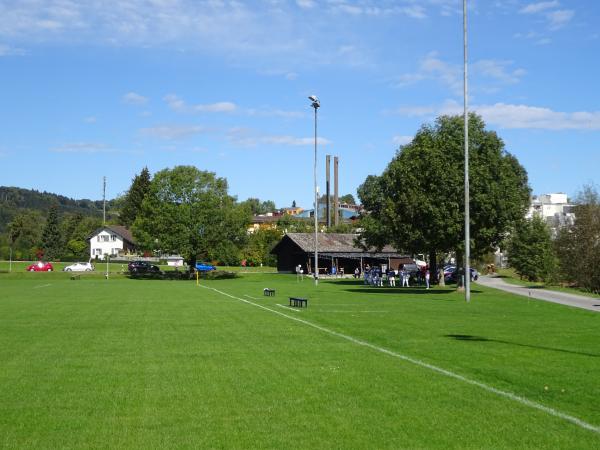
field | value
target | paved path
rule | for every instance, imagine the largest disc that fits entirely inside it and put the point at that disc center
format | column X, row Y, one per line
column 578, row 301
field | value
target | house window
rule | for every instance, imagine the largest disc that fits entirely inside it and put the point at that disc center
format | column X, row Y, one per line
column 113, row 237
column 105, row 238
column 98, row 251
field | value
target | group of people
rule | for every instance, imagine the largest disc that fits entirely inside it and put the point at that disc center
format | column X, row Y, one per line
column 375, row 276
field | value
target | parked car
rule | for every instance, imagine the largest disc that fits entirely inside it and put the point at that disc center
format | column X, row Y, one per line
column 142, row 267
column 451, row 274
column 40, row 267
column 205, row 267
column 79, row 267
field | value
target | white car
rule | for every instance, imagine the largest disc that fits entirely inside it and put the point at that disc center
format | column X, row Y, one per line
column 79, row 267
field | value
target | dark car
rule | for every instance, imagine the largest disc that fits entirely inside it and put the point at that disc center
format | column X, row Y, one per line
column 451, row 274
column 142, row 267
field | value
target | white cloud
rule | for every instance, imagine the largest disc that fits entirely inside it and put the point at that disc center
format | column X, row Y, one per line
column 533, row 8
column 7, row 50
column 270, row 112
column 170, row 132
column 248, row 138
column 431, row 67
column 558, row 19
column 83, row 147
column 498, row 70
column 133, row 98
column 177, row 104
column 402, row 140
column 306, row 4
column 514, row 116
column 90, row 119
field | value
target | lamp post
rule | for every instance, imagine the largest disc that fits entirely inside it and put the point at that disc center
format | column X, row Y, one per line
column 316, row 104
column 466, row 120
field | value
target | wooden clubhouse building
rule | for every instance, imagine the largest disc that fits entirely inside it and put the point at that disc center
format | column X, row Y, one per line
column 336, row 250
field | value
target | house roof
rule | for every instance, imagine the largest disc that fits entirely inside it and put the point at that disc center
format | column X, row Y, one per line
column 117, row 229
column 337, row 244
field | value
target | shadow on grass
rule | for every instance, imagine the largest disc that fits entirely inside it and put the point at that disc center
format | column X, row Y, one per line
column 183, row 276
column 400, row 290
column 470, row 338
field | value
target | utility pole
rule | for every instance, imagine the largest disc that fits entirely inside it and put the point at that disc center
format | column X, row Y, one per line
column 336, row 199
column 316, row 104
column 104, row 201
column 466, row 120
column 327, row 190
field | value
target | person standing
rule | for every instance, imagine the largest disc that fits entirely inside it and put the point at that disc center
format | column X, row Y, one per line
column 427, row 275
column 392, row 277
column 405, row 277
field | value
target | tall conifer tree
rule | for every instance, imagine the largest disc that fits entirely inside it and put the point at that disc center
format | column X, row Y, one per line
column 140, row 186
column 51, row 238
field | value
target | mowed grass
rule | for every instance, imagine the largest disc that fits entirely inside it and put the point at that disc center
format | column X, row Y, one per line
column 151, row 364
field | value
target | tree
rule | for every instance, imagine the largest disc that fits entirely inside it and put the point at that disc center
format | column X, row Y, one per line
column 25, row 231
column 531, row 250
column 132, row 202
column 256, row 207
column 51, row 238
column 291, row 224
column 188, row 211
column 293, row 203
column 417, row 204
column 578, row 246
column 348, row 198
column 259, row 246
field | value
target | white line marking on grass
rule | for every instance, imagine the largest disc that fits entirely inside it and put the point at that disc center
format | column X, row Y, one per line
column 253, row 298
column 347, row 312
column 448, row 373
column 41, row 286
column 286, row 307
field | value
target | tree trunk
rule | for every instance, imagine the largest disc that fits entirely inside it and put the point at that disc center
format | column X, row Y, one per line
column 433, row 267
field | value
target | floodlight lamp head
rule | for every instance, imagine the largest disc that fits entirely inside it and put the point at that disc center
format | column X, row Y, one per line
column 315, row 101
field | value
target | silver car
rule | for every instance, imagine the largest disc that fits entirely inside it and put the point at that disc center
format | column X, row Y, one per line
column 79, row 267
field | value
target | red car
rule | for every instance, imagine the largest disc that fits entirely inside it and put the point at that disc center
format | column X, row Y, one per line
column 40, row 267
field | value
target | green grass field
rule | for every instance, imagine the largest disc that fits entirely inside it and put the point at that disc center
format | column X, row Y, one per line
column 510, row 276
column 95, row 363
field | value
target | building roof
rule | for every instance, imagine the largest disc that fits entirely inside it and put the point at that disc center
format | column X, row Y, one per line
column 337, row 244
column 117, row 229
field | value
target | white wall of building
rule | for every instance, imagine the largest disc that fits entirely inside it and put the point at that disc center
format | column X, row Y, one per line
column 554, row 208
column 105, row 242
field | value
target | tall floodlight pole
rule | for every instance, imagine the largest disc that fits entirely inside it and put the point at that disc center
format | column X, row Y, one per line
column 316, row 104
column 104, row 201
column 466, row 120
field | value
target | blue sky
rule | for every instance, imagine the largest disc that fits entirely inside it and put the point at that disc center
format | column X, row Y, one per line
column 93, row 89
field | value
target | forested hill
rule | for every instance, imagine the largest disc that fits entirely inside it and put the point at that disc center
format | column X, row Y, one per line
column 14, row 199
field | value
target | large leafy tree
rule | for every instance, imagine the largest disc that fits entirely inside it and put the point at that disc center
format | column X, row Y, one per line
column 260, row 243
column 188, row 211
column 257, row 207
column 531, row 250
column 132, row 202
column 24, row 233
column 417, row 204
column 578, row 246
column 52, row 242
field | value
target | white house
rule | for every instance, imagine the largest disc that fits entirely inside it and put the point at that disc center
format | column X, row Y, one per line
column 114, row 240
column 555, row 209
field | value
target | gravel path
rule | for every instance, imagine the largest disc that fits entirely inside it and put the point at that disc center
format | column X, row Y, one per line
column 578, row 301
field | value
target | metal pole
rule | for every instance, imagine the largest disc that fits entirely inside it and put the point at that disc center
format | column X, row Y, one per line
column 466, row 120
column 327, row 190
column 316, row 269
column 104, row 201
